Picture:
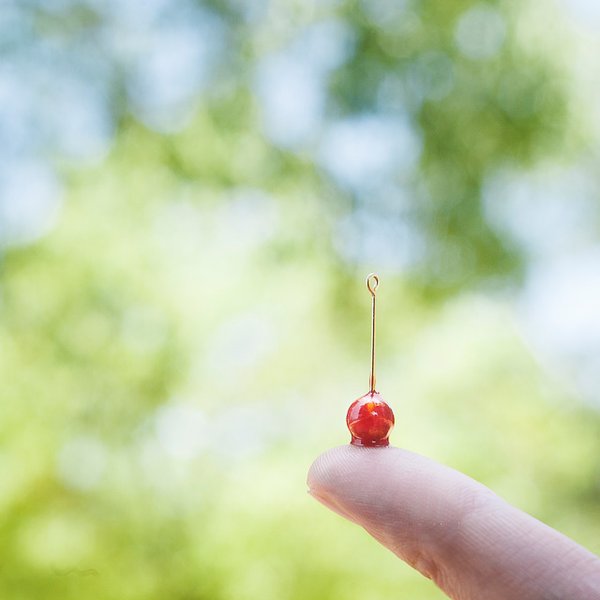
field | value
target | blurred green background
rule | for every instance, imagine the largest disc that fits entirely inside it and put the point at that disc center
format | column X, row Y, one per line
column 191, row 194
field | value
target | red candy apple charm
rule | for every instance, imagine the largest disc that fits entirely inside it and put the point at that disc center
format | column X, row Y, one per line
column 369, row 419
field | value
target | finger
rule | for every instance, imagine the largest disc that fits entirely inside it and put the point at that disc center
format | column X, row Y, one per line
column 451, row 528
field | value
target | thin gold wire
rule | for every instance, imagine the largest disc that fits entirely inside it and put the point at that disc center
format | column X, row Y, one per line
column 372, row 285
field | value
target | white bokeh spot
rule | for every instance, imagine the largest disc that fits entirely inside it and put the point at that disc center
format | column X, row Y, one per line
column 480, row 32
column 82, row 462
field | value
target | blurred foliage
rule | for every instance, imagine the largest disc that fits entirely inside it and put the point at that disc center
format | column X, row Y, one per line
column 187, row 337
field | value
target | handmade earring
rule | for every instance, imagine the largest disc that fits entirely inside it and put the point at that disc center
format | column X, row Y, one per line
column 369, row 419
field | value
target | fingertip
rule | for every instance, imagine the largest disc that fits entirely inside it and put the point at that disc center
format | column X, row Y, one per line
column 325, row 468
column 403, row 499
column 332, row 475
column 448, row 526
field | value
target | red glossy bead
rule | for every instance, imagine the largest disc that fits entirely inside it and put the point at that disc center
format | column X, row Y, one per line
column 370, row 421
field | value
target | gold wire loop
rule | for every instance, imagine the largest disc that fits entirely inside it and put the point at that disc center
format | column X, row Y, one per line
column 372, row 285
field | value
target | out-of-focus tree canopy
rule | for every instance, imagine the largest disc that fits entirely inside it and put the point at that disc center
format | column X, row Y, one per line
column 396, row 111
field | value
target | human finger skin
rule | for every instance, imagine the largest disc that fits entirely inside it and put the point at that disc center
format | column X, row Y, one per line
column 454, row 530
